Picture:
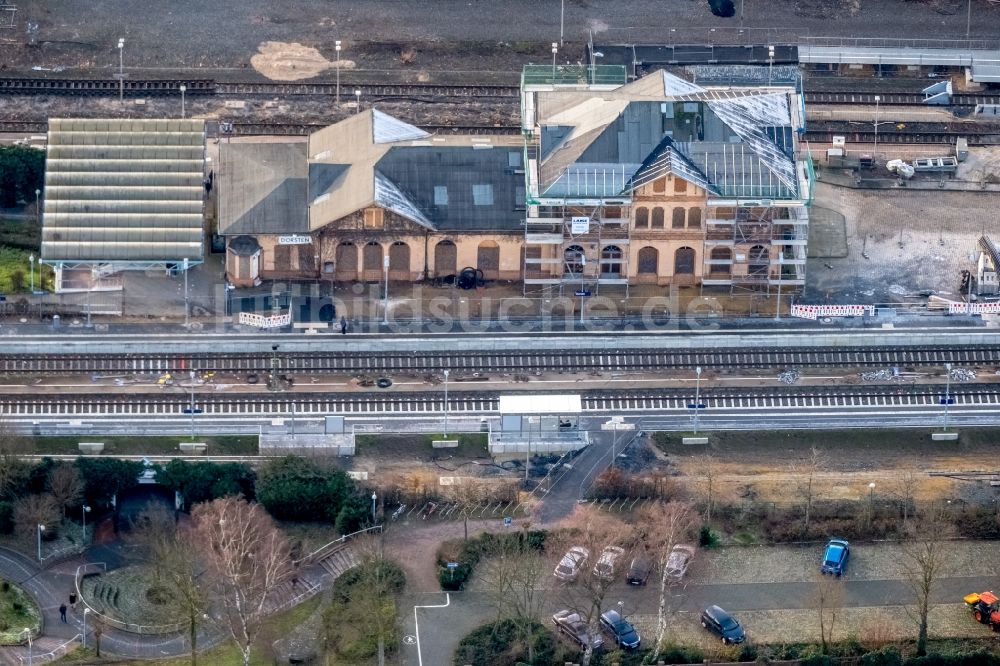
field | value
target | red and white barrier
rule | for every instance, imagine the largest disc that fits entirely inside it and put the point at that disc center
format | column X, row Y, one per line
column 817, row 311
column 260, row 321
column 973, row 308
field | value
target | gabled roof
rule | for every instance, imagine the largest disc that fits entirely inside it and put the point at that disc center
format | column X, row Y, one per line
column 262, row 187
column 729, row 141
column 373, row 159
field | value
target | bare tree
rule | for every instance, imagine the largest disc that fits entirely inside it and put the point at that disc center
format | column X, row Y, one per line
column 828, row 599
column 176, row 567
column 514, row 580
column 33, row 510
column 709, row 473
column 666, row 526
column 13, row 468
column 65, row 485
column 246, row 556
column 925, row 555
column 907, row 484
column 813, row 464
column 595, row 531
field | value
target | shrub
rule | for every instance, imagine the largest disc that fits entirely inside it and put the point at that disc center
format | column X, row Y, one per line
column 295, row 488
column 817, row 660
column 978, row 522
column 470, row 552
column 707, row 538
column 887, row 656
column 503, row 643
column 673, row 653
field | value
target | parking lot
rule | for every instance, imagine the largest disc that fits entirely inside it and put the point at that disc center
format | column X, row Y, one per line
column 771, row 590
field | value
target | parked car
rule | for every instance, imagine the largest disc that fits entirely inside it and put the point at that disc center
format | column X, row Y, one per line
column 620, row 629
column 573, row 626
column 605, row 567
column 835, row 557
column 639, row 572
column 678, row 562
column 722, row 624
column 571, row 563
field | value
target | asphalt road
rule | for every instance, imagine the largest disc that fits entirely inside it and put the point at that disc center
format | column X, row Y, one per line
column 442, row 628
column 192, row 33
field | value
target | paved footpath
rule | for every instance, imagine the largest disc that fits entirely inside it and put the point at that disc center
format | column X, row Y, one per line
column 51, row 587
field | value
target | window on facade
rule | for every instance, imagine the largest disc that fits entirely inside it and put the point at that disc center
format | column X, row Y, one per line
column 677, row 222
column 440, row 195
column 648, row 259
column 641, row 218
column 660, row 185
column 482, row 195
column 657, row 218
column 680, row 185
column 694, row 218
column 514, row 159
column 520, row 198
column 374, row 218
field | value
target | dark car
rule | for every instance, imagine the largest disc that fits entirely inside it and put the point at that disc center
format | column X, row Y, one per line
column 722, row 624
column 574, row 627
column 835, row 557
column 620, row 629
column 638, row 573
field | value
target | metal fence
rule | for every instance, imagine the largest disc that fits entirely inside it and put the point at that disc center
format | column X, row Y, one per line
column 52, row 655
column 102, row 567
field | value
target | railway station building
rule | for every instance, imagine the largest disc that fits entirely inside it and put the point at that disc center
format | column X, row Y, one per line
column 657, row 181
column 662, row 181
column 371, row 194
column 120, row 195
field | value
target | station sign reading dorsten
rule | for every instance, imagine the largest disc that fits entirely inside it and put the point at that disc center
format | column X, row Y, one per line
column 294, row 240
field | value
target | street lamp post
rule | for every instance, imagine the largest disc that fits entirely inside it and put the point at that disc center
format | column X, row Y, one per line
column 84, row 510
column 374, row 497
column 875, row 149
column 555, row 50
column 187, row 310
column 357, row 95
column 562, row 20
column 121, row 70
column 871, row 501
column 31, row 271
column 947, row 394
column 697, row 396
column 385, row 293
column 183, row 90
column 30, row 655
column 38, row 211
column 446, row 373
column 85, row 612
column 621, row 609
column 336, row 46
column 770, row 63
column 41, row 528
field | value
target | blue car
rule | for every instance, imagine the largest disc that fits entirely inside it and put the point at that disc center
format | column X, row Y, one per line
column 835, row 557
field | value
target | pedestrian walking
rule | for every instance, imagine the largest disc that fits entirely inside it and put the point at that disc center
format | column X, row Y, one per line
column 62, row 612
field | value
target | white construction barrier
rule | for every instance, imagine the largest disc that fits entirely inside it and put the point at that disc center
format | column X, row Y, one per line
column 260, row 321
column 973, row 308
column 817, row 311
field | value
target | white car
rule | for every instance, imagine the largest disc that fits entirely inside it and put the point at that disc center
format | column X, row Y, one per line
column 605, row 567
column 571, row 563
column 678, row 562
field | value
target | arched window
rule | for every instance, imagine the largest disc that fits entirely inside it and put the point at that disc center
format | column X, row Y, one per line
column 573, row 260
column 657, row 218
column 648, row 260
column 611, row 261
column 694, row 218
column 641, row 218
column 684, row 261
column 445, row 258
column 346, row 259
column 399, row 261
column 488, row 260
column 371, row 258
column 720, row 254
column 759, row 257
column 678, row 219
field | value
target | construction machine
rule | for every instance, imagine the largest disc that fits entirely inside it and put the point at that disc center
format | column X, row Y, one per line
column 985, row 607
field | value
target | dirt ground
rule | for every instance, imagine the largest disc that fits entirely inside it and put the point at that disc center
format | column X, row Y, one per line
column 773, row 465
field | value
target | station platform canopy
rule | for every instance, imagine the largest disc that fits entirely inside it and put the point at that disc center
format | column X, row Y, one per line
column 540, row 403
column 124, row 193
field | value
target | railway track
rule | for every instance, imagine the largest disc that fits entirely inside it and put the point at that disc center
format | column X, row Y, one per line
column 486, row 402
column 894, row 98
column 301, row 129
column 508, row 362
column 905, row 138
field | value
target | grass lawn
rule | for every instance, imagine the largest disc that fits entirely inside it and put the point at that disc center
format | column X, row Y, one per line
column 225, row 654
column 470, row 445
column 13, row 260
column 17, row 612
column 218, row 445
